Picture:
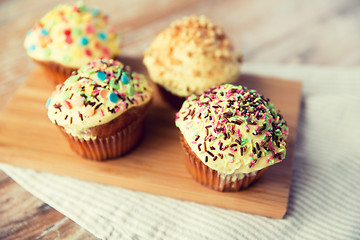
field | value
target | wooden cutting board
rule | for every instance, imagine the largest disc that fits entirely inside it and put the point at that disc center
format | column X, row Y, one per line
column 28, row 139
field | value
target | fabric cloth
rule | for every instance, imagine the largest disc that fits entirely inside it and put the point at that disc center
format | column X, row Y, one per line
column 325, row 187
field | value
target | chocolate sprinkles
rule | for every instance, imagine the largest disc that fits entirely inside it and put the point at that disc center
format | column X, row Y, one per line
column 228, row 117
column 97, row 106
column 210, row 153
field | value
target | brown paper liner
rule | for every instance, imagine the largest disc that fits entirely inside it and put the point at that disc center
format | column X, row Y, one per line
column 56, row 72
column 103, row 148
column 212, row 178
column 174, row 101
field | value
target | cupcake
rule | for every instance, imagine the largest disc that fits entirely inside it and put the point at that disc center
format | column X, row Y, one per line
column 100, row 109
column 190, row 56
column 69, row 37
column 231, row 136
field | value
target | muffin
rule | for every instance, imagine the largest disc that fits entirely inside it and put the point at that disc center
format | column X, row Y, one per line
column 69, row 37
column 231, row 136
column 100, row 109
column 190, row 56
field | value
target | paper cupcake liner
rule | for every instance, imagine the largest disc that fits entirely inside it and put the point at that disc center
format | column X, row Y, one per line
column 212, row 178
column 174, row 101
column 103, row 148
column 56, row 72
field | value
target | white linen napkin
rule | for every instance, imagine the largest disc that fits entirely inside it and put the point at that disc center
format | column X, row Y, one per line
column 325, row 189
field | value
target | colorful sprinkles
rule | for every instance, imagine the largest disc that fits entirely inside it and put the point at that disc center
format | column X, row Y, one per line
column 113, row 97
column 101, row 75
column 96, row 93
column 124, row 79
column 238, row 126
column 84, row 41
column 72, row 33
column 48, row 102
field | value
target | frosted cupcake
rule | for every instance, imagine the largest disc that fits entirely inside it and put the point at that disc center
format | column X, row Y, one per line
column 101, row 108
column 190, row 56
column 69, row 37
column 231, row 136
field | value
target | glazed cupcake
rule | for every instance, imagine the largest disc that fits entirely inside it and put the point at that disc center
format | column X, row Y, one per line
column 69, row 37
column 190, row 56
column 231, row 136
column 101, row 108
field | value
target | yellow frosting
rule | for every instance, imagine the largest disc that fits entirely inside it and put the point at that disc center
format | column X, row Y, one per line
column 96, row 94
column 233, row 130
column 190, row 56
column 72, row 36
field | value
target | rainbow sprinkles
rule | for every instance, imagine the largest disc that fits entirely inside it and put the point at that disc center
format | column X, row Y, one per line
column 96, row 94
column 72, row 35
column 233, row 130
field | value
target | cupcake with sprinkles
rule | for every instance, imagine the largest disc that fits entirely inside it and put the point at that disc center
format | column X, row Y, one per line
column 70, row 36
column 190, row 56
column 231, row 136
column 101, row 108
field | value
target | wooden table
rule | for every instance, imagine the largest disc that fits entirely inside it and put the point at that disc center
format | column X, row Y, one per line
column 317, row 32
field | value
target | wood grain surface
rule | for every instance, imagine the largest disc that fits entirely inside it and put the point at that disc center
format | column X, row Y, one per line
column 157, row 165
column 318, row 32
